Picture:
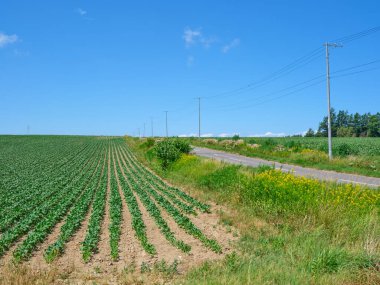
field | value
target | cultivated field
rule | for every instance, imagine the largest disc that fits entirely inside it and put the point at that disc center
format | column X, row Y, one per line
column 87, row 203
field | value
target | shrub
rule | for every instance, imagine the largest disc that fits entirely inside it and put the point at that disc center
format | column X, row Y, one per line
column 255, row 145
column 345, row 149
column 269, row 144
column 148, row 143
column 227, row 143
column 210, row 141
column 295, row 146
column 166, row 153
column 170, row 150
column 236, row 137
column 182, row 145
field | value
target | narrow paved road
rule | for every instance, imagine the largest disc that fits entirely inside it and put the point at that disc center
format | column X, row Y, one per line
column 297, row 170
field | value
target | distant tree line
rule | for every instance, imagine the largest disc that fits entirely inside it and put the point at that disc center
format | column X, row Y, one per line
column 344, row 124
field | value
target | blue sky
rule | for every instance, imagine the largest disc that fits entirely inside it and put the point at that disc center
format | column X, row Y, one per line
column 106, row 67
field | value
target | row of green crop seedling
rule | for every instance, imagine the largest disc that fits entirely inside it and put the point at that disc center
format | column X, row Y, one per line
column 115, row 213
column 153, row 210
column 42, row 193
column 77, row 214
column 136, row 215
column 45, row 226
column 159, row 182
column 37, row 215
column 182, row 220
column 27, row 182
column 90, row 243
column 188, row 209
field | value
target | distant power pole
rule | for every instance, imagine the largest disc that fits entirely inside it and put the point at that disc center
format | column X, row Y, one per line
column 199, row 117
column 144, row 131
column 151, row 123
column 327, row 45
column 166, row 122
column 139, row 133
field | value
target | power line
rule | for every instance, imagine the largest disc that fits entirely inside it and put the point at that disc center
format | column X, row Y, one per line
column 356, row 72
column 250, row 100
column 298, row 63
column 359, row 35
column 275, row 98
column 298, row 90
column 327, row 45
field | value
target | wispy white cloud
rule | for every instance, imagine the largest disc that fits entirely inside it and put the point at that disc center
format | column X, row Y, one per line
column 207, row 135
column 187, row 135
column 227, row 135
column 191, row 36
column 207, row 42
column 269, row 134
column 81, row 11
column 7, row 39
column 234, row 43
column 196, row 37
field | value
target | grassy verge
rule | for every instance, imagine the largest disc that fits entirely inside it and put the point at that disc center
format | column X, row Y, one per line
column 293, row 230
column 356, row 164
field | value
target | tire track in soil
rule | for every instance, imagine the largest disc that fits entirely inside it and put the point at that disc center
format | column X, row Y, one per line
column 208, row 223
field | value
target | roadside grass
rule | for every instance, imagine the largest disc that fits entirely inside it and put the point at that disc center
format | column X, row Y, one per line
column 299, row 155
column 292, row 230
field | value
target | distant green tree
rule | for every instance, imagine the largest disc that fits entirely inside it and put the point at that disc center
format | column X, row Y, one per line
column 310, row 133
column 344, row 124
column 345, row 132
column 323, row 126
column 342, row 119
column 236, row 137
column 373, row 127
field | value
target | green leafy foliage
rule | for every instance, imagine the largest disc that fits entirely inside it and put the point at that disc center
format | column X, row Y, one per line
column 170, row 150
column 79, row 177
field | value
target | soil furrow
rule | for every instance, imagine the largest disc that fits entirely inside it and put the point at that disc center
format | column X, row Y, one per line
column 131, row 252
column 72, row 256
column 104, row 248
